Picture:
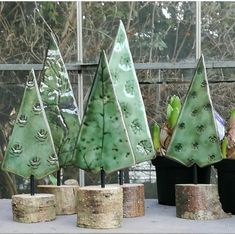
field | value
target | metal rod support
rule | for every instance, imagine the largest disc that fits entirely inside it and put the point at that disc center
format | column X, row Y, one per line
column 102, row 176
column 121, row 177
column 195, row 178
column 32, row 185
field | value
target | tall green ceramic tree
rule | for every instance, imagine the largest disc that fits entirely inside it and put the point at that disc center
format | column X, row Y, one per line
column 128, row 93
column 195, row 138
column 59, row 103
column 103, row 142
column 30, row 151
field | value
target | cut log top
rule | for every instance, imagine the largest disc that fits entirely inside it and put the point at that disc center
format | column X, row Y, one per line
column 132, row 185
column 36, row 196
column 108, row 187
column 55, row 186
column 197, row 185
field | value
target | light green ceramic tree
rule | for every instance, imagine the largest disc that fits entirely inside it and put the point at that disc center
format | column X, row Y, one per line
column 128, row 93
column 103, row 142
column 59, row 103
column 195, row 139
column 30, row 150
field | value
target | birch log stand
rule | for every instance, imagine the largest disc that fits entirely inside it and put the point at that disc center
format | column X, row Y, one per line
column 133, row 200
column 33, row 209
column 198, row 202
column 100, row 207
column 65, row 196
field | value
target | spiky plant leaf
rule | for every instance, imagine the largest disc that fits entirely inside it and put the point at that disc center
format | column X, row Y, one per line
column 156, row 136
column 60, row 104
column 103, row 141
column 128, row 93
column 195, row 139
column 30, row 150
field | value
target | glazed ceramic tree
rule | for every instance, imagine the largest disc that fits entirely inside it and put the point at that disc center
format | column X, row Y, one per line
column 103, row 142
column 195, row 138
column 128, row 93
column 30, row 151
column 59, row 103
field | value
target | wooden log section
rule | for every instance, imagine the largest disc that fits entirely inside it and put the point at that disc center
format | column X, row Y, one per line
column 100, row 207
column 65, row 195
column 33, row 209
column 198, row 202
column 133, row 200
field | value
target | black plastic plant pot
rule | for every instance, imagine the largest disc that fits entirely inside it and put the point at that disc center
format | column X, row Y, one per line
column 226, row 184
column 169, row 173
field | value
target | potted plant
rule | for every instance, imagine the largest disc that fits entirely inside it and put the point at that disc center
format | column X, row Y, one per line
column 31, row 154
column 226, row 167
column 195, row 142
column 169, row 172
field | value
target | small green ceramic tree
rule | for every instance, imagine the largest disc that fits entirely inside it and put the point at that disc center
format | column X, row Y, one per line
column 30, row 151
column 195, row 138
column 59, row 103
column 128, row 93
column 103, row 142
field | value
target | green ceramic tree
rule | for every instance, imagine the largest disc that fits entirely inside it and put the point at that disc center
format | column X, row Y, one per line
column 128, row 93
column 30, row 150
column 195, row 139
column 59, row 103
column 103, row 142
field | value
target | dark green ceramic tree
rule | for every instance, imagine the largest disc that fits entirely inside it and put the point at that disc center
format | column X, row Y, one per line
column 30, row 151
column 59, row 103
column 103, row 142
column 195, row 139
column 128, row 93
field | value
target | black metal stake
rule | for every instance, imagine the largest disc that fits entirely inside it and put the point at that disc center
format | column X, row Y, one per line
column 120, row 177
column 32, row 185
column 58, row 177
column 195, row 179
column 102, row 176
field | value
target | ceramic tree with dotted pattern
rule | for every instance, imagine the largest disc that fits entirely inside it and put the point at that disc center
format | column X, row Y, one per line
column 127, row 90
column 103, row 142
column 195, row 138
column 60, row 104
column 30, row 150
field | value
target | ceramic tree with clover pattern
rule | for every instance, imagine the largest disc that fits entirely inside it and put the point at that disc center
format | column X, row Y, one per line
column 194, row 142
column 62, row 114
column 31, row 154
column 127, row 90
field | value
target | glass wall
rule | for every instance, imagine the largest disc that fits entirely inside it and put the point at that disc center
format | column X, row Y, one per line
column 158, row 32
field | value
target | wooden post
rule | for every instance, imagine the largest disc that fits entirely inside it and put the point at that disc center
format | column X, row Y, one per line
column 198, row 202
column 33, row 209
column 100, row 207
column 133, row 200
column 65, row 196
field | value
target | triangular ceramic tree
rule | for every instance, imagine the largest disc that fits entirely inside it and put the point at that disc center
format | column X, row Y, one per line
column 128, row 93
column 103, row 142
column 195, row 139
column 30, row 151
column 59, row 103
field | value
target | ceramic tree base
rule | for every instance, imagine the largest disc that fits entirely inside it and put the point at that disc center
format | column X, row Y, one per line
column 198, row 202
column 33, row 209
column 133, row 200
column 65, row 195
column 100, row 208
